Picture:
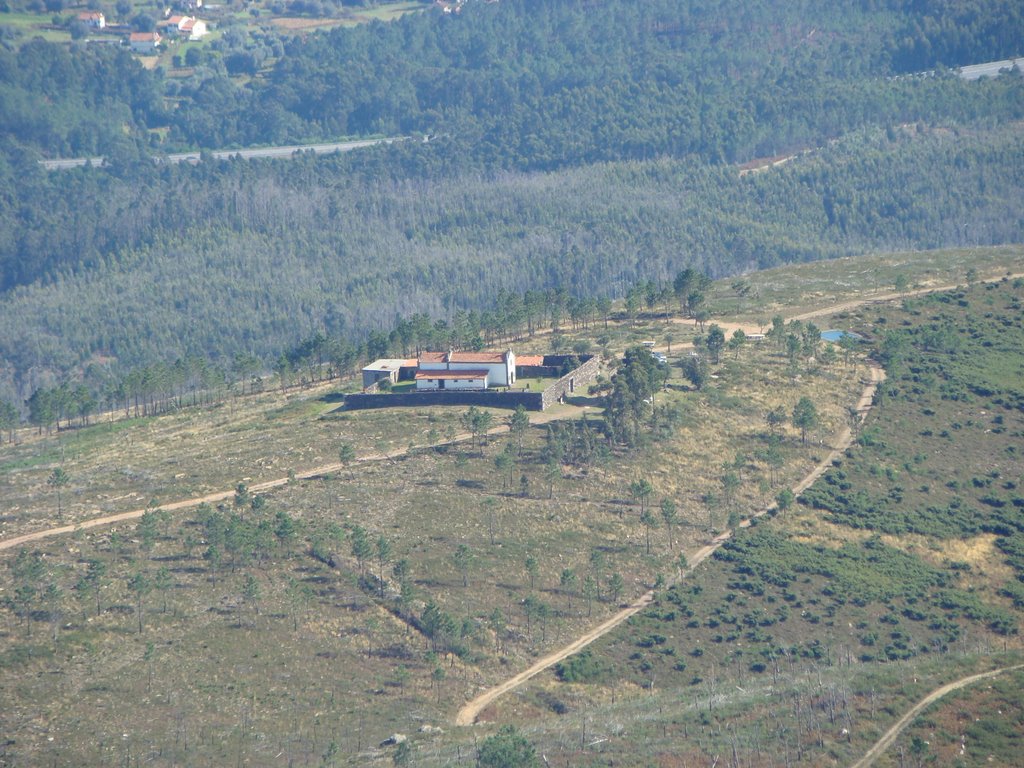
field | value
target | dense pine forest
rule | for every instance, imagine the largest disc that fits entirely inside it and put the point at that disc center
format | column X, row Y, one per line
column 572, row 145
column 537, row 84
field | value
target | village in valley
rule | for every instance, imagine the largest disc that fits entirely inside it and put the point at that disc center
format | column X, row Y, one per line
column 163, row 36
column 142, row 35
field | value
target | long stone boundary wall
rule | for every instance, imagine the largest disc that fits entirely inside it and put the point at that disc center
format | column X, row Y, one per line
column 575, row 381
column 531, row 401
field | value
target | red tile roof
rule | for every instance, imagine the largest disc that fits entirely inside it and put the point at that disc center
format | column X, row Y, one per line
column 529, row 360
column 433, row 357
column 451, row 375
column 477, row 357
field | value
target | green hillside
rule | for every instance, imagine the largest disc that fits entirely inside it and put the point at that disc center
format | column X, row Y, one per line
column 222, row 565
column 286, row 251
column 538, row 84
column 897, row 571
column 572, row 146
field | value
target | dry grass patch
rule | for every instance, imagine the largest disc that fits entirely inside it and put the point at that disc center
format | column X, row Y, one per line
column 120, row 466
column 352, row 672
column 807, row 526
column 987, row 562
column 425, row 505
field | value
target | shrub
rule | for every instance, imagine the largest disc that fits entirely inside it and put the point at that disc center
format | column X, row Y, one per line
column 579, row 668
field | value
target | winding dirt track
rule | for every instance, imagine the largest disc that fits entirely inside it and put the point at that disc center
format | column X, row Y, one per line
column 844, row 306
column 134, row 514
column 883, row 298
column 890, row 736
column 471, row 711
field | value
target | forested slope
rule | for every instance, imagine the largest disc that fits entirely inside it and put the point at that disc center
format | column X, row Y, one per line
column 578, row 145
column 540, row 83
column 289, row 250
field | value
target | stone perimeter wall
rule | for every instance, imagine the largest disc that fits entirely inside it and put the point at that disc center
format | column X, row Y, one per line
column 531, row 401
column 571, row 383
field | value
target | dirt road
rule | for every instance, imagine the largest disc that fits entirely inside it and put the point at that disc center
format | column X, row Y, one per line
column 137, row 513
column 212, row 498
column 471, row 711
column 883, row 298
column 468, row 714
column 890, row 736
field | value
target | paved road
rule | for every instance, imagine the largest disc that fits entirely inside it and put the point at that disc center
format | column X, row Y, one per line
column 989, row 69
column 970, row 72
column 224, row 154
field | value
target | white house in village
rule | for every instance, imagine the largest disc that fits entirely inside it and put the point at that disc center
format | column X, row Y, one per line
column 194, row 28
column 466, row 370
column 93, row 19
column 183, row 27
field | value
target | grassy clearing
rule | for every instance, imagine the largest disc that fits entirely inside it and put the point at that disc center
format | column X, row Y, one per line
column 30, row 26
column 294, row 24
column 386, row 11
column 125, row 464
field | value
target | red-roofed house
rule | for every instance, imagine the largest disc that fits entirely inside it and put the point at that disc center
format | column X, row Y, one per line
column 194, row 29
column 171, row 26
column 499, row 366
column 144, row 42
column 185, row 27
column 93, row 19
